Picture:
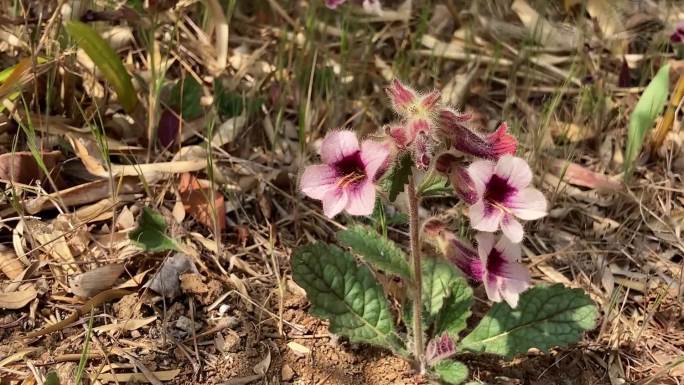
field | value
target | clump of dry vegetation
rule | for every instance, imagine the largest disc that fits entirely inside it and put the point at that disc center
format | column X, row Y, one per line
column 150, row 153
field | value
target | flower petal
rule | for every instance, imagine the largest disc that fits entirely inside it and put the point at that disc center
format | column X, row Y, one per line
column 317, row 180
column 511, row 228
column 515, row 170
column 401, row 96
column 492, row 284
column 485, row 217
column 481, row 171
column 334, row 202
column 485, row 243
column 361, row 199
column 374, row 155
column 337, row 145
column 516, row 281
column 509, row 250
column 333, row 4
column 527, row 204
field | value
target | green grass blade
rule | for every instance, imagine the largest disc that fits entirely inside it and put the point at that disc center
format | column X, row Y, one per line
column 648, row 108
column 106, row 60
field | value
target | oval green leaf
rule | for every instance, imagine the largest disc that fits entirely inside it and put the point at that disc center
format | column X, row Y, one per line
column 646, row 111
column 106, row 60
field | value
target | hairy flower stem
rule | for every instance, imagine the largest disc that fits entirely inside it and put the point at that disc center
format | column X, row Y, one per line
column 414, row 229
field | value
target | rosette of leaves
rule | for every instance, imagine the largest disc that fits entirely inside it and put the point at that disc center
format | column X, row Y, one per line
column 342, row 287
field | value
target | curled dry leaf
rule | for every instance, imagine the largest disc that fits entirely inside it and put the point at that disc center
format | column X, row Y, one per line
column 228, row 130
column 22, row 167
column 578, row 175
column 94, row 281
column 9, row 263
column 17, row 299
column 262, row 367
column 150, row 171
column 85, row 193
column 196, row 195
column 541, row 29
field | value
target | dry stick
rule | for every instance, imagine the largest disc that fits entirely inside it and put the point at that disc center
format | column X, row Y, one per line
column 412, row 199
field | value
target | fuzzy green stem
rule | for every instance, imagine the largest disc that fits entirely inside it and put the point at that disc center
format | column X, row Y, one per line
column 414, row 230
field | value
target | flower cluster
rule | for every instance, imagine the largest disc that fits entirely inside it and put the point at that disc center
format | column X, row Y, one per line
column 495, row 185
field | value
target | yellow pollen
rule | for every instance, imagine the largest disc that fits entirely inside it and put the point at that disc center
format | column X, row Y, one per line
column 349, row 179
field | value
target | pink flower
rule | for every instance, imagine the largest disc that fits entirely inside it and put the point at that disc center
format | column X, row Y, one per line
column 333, row 4
column 503, row 195
column 346, row 180
column 439, row 348
column 449, row 165
column 491, row 146
column 497, row 266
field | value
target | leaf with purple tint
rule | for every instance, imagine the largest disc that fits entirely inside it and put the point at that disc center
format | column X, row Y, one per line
column 439, row 348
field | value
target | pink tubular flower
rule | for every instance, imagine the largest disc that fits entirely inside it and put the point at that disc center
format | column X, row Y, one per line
column 491, row 146
column 346, row 180
column 464, row 188
column 503, row 195
column 497, row 266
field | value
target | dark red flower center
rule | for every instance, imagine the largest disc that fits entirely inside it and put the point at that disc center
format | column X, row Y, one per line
column 495, row 262
column 498, row 190
column 351, row 170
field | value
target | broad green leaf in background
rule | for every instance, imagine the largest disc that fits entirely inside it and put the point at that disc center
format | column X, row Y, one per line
column 106, row 60
column 398, row 176
column 451, row 372
column 51, row 379
column 151, row 232
column 185, row 98
column 454, row 316
column 645, row 112
column 376, row 250
column 438, row 276
column 345, row 293
column 546, row 316
column 230, row 104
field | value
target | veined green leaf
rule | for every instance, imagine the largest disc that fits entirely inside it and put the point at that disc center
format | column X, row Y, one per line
column 376, row 249
column 345, row 293
column 106, row 60
column 453, row 317
column 151, row 232
column 397, row 177
column 438, row 276
column 645, row 112
column 451, row 372
column 546, row 316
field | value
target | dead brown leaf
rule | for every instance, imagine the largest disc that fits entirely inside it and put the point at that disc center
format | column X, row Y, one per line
column 9, row 263
column 22, row 167
column 94, row 281
column 196, row 195
column 17, row 299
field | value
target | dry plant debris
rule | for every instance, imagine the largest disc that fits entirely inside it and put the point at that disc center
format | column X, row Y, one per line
column 201, row 115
